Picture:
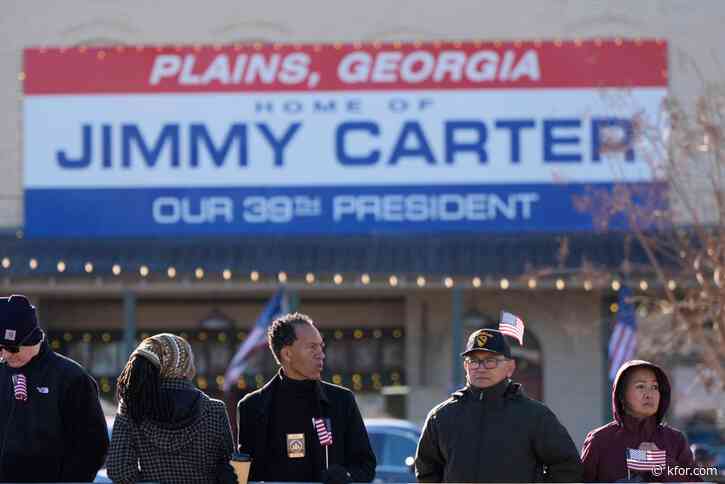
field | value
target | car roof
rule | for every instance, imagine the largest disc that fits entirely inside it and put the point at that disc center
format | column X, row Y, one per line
column 391, row 423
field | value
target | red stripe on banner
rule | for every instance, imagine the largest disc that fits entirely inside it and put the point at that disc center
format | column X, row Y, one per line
column 346, row 67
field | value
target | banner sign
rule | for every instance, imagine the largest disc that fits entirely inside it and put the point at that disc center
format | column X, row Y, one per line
column 332, row 139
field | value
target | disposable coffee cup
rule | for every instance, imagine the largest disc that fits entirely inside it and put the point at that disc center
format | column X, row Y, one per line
column 241, row 462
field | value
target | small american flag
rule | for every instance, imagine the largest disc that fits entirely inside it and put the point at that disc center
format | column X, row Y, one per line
column 645, row 460
column 21, row 387
column 323, row 433
column 512, row 325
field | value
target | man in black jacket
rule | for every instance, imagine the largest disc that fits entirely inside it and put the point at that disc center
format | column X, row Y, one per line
column 51, row 422
column 490, row 431
column 275, row 423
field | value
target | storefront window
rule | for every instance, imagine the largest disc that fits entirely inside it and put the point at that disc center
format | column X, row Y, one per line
column 363, row 359
column 107, row 360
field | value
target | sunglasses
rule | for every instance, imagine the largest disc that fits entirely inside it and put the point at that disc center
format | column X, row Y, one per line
column 16, row 348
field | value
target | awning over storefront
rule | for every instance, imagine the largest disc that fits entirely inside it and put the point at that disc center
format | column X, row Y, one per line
column 431, row 255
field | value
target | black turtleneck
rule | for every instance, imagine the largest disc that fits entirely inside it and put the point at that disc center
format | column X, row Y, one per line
column 294, row 405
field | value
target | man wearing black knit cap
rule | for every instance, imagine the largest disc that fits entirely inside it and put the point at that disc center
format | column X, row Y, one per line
column 490, row 431
column 52, row 427
column 275, row 423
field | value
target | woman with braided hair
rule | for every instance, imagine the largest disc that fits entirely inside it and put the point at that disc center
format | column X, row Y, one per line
column 166, row 430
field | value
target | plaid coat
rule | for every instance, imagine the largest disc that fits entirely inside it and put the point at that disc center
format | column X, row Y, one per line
column 195, row 450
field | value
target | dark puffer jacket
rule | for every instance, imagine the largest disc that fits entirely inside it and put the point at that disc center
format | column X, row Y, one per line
column 57, row 434
column 193, row 447
column 495, row 434
column 604, row 449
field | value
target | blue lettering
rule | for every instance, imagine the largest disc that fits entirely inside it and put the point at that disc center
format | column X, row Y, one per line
column 421, row 148
column 107, row 144
column 318, row 106
column 515, row 126
column 278, row 145
column 85, row 160
column 477, row 146
column 550, row 141
column 340, row 138
column 609, row 145
column 198, row 133
column 130, row 134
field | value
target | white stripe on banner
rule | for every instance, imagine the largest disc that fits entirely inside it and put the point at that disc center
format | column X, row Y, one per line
column 248, row 140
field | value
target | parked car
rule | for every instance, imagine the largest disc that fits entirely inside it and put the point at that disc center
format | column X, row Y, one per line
column 720, row 461
column 394, row 442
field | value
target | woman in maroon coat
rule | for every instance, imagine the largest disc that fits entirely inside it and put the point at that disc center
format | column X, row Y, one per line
column 640, row 399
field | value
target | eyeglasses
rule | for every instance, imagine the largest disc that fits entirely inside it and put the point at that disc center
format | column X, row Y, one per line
column 487, row 363
column 16, row 348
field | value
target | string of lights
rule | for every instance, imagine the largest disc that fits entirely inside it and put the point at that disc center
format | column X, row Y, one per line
column 403, row 281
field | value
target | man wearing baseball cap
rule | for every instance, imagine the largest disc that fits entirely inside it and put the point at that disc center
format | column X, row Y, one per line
column 490, row 431
column 52, row 428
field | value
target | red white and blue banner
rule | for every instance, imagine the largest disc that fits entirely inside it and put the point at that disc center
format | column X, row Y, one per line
column 332, row 139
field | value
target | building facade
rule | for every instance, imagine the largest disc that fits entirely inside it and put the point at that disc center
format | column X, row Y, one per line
column 395, row 307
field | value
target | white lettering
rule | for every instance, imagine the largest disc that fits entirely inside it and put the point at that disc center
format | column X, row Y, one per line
column 508, row 60
column 447, row 207
column 444, row 66
column 173, row 210
column 187, row 76
column 354, row 67
column 426, row 61
column 262, row 68
column 343, row 205
column 449, row 62
column 386, row 66
column 294, row 68
column 481, row 66
column 164, row 66
column 218, row 71
column 239, row 66
column 527, row 66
